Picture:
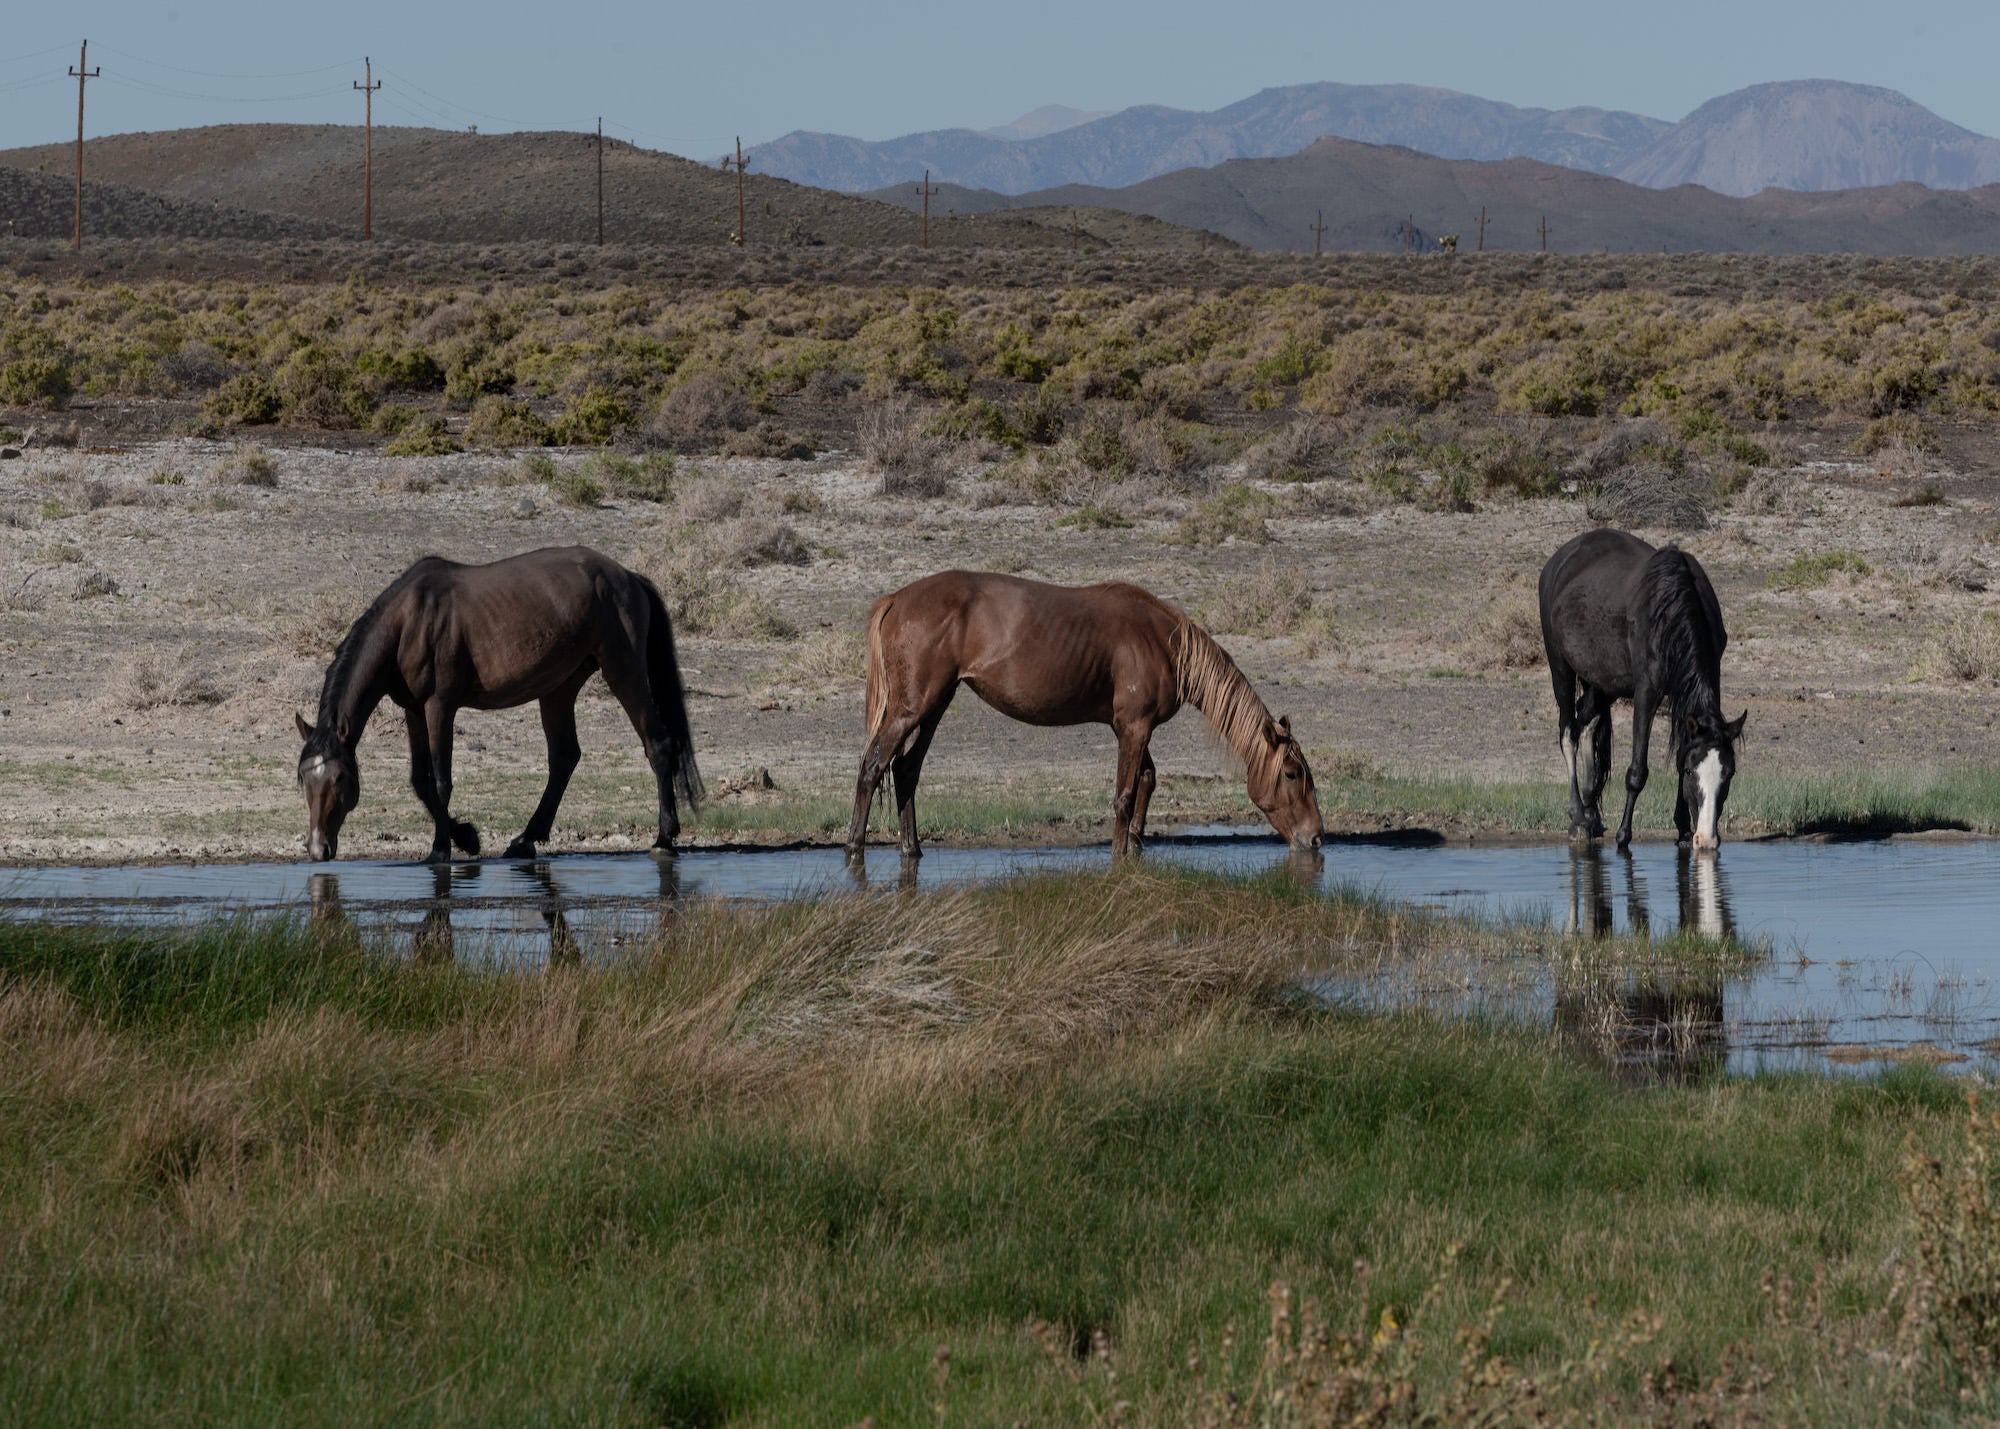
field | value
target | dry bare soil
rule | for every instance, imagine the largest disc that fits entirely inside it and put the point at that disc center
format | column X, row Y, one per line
column 160, row 623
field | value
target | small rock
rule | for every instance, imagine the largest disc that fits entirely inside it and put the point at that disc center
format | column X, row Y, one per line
column 9, row 453
column 525, row 506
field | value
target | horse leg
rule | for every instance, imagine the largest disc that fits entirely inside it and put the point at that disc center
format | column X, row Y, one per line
column 423, row 780
column 438, row 717
column 901, row 719
column 1132, row 741
column 1142, row 795
column 1590, row 755
column 907, row 768
column 624, row 671
column 1564, row 680
column 1644, row 704
column 559, row 726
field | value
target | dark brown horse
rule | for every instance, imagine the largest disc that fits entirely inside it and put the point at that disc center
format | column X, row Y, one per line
column 445, row 637
column 1626, row 621
column 1061, row 655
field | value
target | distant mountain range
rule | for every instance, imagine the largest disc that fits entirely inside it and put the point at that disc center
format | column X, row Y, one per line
column 1371, row 195
column 1805, row 135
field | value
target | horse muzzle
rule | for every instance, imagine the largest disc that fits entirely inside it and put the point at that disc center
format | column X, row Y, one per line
column 1705, row 843
column 320, row 850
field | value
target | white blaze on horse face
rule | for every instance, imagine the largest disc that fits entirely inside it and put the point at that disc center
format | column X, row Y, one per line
column 1708, row 776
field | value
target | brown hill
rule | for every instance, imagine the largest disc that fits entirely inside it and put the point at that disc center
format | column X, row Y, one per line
column 1370, row 194
column 41, row 205
column 447, row 186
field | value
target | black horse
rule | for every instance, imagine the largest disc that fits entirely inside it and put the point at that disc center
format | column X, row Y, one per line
column 1631, row 622
column 445, row 637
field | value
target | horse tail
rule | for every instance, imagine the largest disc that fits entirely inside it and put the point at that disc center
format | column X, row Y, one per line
column 878, row 677
column 663, row 673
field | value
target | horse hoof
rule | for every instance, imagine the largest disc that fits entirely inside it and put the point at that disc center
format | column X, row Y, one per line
column 439, row 855
column 664, row 851
column 467, row 839
column 521, row 848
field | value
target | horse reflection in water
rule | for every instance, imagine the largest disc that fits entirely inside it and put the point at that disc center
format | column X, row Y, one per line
column 1652, row 1026
column 436, row 938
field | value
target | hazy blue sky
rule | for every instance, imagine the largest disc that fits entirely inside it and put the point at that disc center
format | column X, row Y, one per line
column 687, row 77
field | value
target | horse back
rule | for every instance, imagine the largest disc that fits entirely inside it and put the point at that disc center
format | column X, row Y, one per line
column 1589, row 593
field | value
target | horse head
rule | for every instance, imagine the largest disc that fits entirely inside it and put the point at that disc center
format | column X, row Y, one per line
column 1707, row 764
column 330, row 775
column 1281, row 784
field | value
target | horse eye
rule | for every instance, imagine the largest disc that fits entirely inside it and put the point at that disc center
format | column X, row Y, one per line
column 1291, row 773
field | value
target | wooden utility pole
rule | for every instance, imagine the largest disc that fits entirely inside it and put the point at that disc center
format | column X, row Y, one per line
column 368, row 147
column 1545, row 233
column 82, row 72
column 1482, row 228
column 924, row 191
column 1318, row 229
column 737, row 164
column 600, row 181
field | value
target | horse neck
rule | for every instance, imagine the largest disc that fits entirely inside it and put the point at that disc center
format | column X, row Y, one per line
column 358, row 678
column 1209, row 680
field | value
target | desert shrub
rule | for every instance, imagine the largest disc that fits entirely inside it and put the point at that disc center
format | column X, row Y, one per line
column 977, row 420
column 703, row 404
column 245, row 400
column 1509, row 461
column 155, row 679
column 1815, row 568
column 36, row 382
column 426, row 435
column 646, row 478
column 1100, row 444
column 318, row 388
column 477, row 376
column 571, row 485
column 1236, row 511
column 1169, row 393
column 194, row 366
column 247, row 465
column 91, row 584
column 896, row 442
column 1275, row 599
column 1896, row 428
column 1966, row 649
column 409, row 369
column 705, row 597
column 1041, row 416
column 592, row 418
column 1094, row 518
column 708, row 499
column 391, row 418
column 1304, row 450
column 1651, row 494
column 500, row 423
column 1509, row 637
column 758, row 541
column 317, row 623
column 802, row 501
column 767, row 439
column 1181, row 452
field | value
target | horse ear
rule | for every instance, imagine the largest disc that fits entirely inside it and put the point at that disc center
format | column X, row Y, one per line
column 345, row 731
column 1285, row 723
column 305, row 730
column 1275, row 736
column 1690, row 726
column 1734, row 729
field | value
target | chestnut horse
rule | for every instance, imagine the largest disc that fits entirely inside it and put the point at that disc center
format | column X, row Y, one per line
column 1062, row 655
column 445, row 637
column 1631, row 622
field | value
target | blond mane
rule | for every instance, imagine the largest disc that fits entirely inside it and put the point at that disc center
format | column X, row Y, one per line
column 1208, row 679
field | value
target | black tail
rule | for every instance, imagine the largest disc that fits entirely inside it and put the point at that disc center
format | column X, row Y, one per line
column 663, row 672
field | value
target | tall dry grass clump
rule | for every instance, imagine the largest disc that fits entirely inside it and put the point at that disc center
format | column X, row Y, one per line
column 175, row 678
column 1966, row 649
column 897, row 442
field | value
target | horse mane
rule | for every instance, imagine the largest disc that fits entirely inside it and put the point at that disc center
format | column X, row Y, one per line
column 341, row 672
column 1208, row 679
column 1688, row 645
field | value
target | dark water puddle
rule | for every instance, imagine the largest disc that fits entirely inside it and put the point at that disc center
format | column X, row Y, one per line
column 1875, row 948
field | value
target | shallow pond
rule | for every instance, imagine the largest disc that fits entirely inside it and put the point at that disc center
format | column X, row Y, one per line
column 1873, row 947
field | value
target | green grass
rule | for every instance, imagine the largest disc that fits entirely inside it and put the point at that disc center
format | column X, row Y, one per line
column 1815, row 568
column 765, row 1168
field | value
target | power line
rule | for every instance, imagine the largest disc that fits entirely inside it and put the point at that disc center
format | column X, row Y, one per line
column 148, row 87
column 218, row 74
column 33, row 55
